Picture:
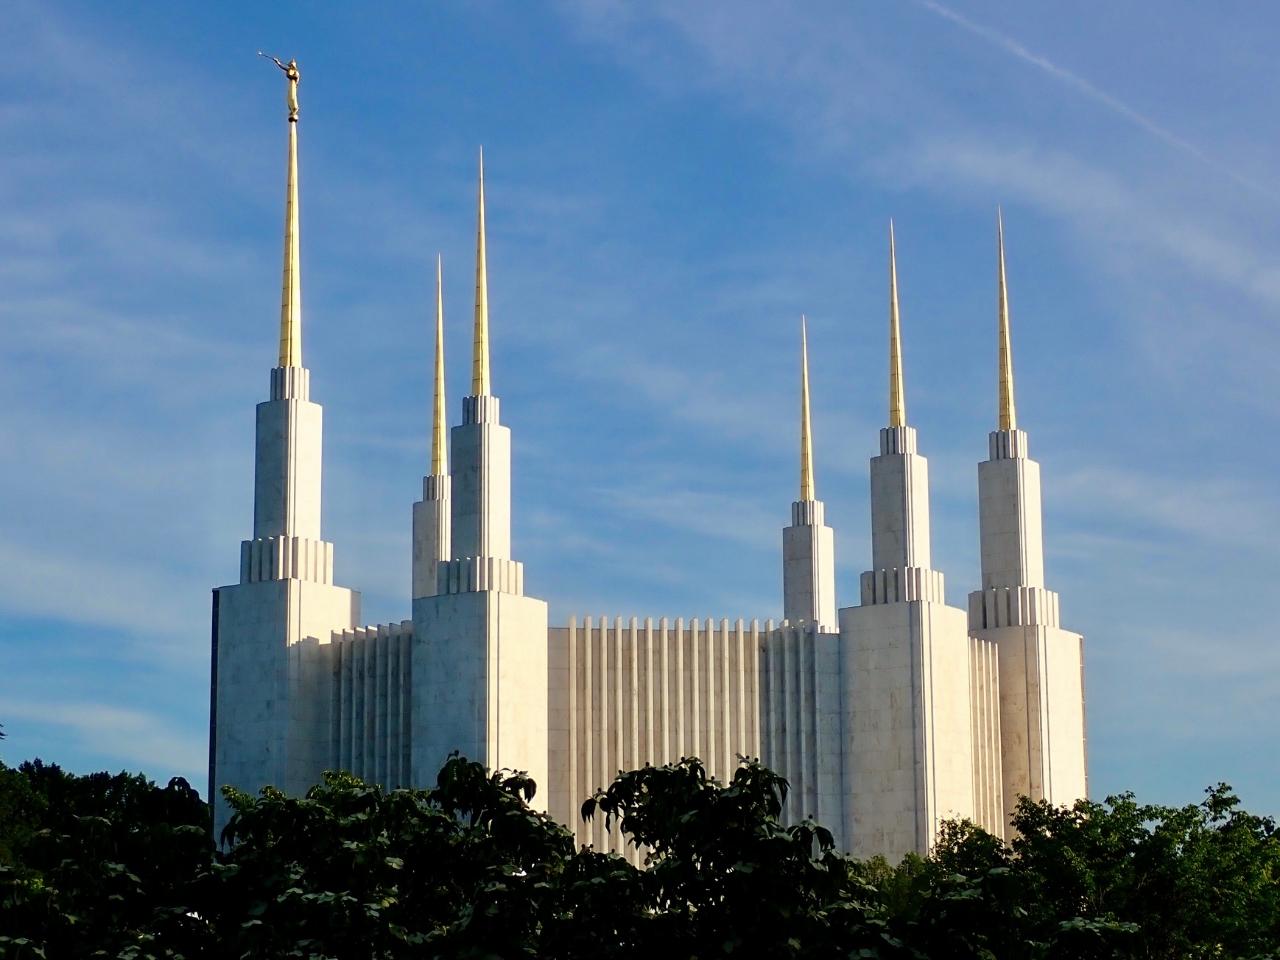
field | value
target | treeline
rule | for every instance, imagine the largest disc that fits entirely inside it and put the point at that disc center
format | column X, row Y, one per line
column 115, row 866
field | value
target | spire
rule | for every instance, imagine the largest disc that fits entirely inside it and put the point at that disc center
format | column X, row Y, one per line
column 897, row 395
column 1008, row 413
column 806, row 430
column 439, row 458
column 291, row 285
column 480, row 342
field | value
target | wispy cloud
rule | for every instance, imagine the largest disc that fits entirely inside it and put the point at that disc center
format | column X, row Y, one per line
column 1224, row 510
column 1101, row 97
column 742, row 521
column 1126, row 227
column 134, row 738
column 152, row 606
column 1131, row 216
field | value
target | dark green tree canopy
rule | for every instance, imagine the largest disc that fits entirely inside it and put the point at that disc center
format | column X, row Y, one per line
column 116, row 866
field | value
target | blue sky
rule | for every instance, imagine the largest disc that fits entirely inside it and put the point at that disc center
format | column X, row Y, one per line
column 669, row 186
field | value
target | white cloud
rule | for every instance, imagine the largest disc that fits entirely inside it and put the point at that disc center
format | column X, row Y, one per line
column 1082, row 86
column 1124, row 225
column 821, row 78
column 150, row 605
column 133, row 737
column 1225, row 510
column 739, row 520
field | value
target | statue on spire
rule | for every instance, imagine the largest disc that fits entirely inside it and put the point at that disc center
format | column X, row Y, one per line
column 291, row 72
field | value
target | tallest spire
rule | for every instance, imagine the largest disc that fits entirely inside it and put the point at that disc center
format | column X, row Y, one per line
column 480, row 343
column 1008, row 412
column 291, row 282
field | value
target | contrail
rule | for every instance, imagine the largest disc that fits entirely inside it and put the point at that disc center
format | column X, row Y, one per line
column 1083, row 86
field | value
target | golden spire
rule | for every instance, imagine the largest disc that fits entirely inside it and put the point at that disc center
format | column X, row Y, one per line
column 480, row 342
column 897, row 394
column 1008, row 413
column 806, row 430
column 291, row 282
column 439, row 458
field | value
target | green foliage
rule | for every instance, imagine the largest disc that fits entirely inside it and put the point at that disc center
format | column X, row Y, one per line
column 1201, row 880
column 725, row 878
column 99, row 865
column 115, row 866
column 1113, row 879
column 463, row 870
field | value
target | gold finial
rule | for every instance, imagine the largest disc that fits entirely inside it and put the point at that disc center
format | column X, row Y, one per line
column 1008, row 412
column 439, row 458
column 897, row 393
column 480, row 342
column 291, row 282
column 806, row 430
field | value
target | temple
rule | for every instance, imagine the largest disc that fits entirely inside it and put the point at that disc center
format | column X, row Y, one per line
column 887, row 717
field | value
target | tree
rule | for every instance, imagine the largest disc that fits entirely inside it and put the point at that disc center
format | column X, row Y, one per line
column 726, row 878
column 464, row 869
column 1200, row 880
column 116, row 866
column 100, row 865
column 1111, row 879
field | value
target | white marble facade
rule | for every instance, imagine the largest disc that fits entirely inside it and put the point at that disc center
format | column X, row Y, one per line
column 887, row 717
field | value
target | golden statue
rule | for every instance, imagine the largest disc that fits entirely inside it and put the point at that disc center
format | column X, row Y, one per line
column 291, row 71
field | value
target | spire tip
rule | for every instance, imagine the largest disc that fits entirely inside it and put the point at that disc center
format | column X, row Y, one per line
column 480, row 385
column 1008, row 417
column 897, row 391
column 439, row 457
column 806, row 428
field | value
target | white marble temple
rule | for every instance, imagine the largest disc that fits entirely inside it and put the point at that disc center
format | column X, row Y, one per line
column 886, row 717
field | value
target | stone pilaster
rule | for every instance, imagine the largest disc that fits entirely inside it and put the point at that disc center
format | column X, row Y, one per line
column 899, row 502
column 432, row 521
column 287, row 486
column 481, row 461
column 1040, row 665
column 809, row 567
column 906, row 669
column 269, row 700
column 480, row 645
